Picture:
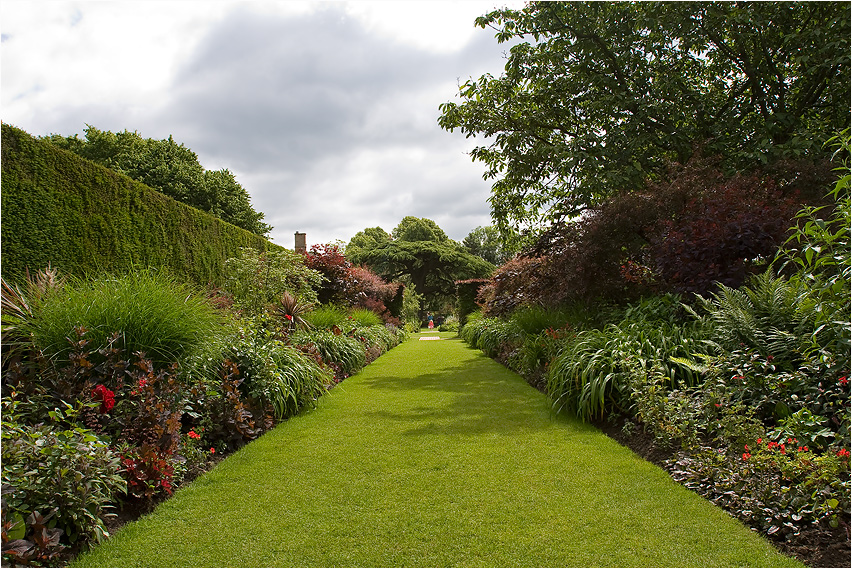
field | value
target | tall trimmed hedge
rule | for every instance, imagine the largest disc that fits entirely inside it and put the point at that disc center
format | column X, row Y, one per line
column 84, row 219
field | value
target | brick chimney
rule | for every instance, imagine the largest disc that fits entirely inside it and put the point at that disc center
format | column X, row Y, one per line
column 301, row 245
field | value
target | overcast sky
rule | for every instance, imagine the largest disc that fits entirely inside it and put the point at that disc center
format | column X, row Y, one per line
column 326, row 112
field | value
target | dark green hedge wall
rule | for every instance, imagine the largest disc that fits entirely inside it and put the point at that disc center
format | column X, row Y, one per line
column 85, row 219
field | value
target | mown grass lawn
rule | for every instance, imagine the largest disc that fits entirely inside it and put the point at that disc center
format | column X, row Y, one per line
column 435, row 455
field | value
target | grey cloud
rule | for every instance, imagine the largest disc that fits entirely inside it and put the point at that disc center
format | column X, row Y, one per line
column 287, row 91
column 299, row 100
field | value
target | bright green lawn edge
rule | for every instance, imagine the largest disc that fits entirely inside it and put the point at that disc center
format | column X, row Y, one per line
column 435, row 456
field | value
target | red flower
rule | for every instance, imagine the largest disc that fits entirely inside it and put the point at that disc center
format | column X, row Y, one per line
column 843, row 453
column 193, row 435
column 843, row 381
column 746, row 456
column 212, row 450
column 288, row 317
column 759, row 441
column 105, row 396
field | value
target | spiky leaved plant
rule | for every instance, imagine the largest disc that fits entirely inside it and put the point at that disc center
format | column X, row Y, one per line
column 290, row 312
column 16, row 308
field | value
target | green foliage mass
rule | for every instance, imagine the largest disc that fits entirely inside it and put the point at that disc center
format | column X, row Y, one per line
column 596, row 96
column 485, row 242
column 171, row 168
column 61, row 210
column 257, row 279
column 420, row 252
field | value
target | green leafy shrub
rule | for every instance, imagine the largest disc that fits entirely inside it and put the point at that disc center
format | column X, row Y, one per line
column 276, row 374
column 592, row 373
column 473, row 327
column 450, row 324
column 57, row 467
column 364, row 318
column 770, row 314
column 377, row 336
column 257, row 280
column 820, row 252
column 533, row 319
column 194, row 457
column 327, row 317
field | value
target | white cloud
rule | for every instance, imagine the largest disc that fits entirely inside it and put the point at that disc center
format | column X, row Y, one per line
column 325, row 112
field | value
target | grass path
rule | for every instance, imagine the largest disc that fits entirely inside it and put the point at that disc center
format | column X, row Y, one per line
column 434, row 455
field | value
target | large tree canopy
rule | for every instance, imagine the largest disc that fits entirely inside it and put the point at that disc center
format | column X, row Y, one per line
column 598, row 96
column 418, row 251
column 170, row 168
column 485, row 242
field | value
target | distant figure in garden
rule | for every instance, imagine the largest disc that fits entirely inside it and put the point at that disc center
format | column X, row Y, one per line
column 431, row 324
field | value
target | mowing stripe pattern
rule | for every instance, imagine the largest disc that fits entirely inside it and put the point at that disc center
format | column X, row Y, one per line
column 435, row 456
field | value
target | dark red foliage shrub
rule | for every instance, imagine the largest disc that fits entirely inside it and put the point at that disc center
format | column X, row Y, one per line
column 329, row 261
column 718, row 237
column 684, row 233
column 372, row 292
column 520, row 281
column 234, row 422
column 353, row 286
column 148, row 471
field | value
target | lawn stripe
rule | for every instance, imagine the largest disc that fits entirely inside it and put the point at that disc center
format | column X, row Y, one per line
column 435, row 455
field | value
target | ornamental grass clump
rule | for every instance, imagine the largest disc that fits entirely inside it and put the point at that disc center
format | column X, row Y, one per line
column 591, row 375
column 152, row 313
column 327, row 317
column 346, row 355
